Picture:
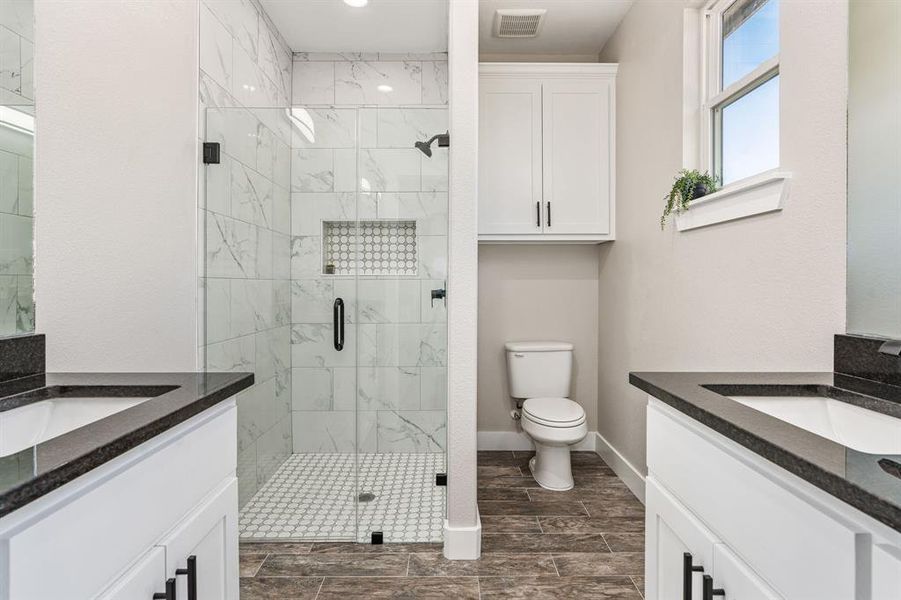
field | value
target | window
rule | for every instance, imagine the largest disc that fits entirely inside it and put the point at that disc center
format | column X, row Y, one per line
column 740, row 116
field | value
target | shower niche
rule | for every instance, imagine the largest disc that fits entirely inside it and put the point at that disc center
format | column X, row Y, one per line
column 370, row 248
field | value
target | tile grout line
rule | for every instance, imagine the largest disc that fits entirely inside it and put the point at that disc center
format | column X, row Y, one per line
column 319, row 589
column 554, row 562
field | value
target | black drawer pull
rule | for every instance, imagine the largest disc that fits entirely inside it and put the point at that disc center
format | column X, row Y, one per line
column 709, row 591
column 538, row 214
column 338, row 317
column 169, row 594
column 191, row 572
column 548, row 214
column 687, row 570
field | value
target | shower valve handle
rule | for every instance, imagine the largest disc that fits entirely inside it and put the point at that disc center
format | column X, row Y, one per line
column 439, row 294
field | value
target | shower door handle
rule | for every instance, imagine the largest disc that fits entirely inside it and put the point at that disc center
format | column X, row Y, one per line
column 338, row 315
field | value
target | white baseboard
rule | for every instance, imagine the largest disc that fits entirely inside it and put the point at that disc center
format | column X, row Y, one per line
column 517, row 440
column 625, row 470
column 463, row 543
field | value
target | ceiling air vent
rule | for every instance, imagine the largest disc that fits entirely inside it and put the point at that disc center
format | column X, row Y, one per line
column 518, row 23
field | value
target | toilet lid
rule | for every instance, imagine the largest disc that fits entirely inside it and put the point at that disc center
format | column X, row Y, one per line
column 562, row 411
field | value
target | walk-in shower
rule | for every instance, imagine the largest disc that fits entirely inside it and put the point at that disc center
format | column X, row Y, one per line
column 326, row 238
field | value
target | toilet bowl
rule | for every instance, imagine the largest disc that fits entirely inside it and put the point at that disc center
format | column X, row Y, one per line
column 540, row 374
column 553, row 424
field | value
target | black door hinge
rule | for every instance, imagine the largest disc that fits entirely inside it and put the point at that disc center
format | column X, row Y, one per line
column 211, row 153
column 441, row 479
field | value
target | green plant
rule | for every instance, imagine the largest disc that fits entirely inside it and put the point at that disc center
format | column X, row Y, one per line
column 684, row 190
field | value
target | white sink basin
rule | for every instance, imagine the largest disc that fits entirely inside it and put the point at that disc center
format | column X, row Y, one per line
column 847, row 424
column 34, row 423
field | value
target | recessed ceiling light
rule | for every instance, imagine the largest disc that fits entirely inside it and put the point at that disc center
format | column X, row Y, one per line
column 356, row 3
column 384, row 88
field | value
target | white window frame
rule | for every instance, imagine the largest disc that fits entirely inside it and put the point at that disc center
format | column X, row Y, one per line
column 703, row 95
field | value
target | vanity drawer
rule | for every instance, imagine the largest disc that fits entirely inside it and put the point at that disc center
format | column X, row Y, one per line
column 89, row 531
column 801, row 549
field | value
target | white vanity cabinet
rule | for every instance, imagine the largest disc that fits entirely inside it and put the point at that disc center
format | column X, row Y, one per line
column 120, row 531
column 755, row 530
column 546, row 152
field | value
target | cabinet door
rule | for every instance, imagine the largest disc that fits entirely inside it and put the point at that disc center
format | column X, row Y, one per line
column 142, row 581
column 736, row 579
column 578, row 155
column 671, row 533
column 509, row 156
column 210, row 534
column 886, row 572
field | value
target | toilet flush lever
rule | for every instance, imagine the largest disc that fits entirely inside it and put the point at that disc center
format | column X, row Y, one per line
column 439, row 294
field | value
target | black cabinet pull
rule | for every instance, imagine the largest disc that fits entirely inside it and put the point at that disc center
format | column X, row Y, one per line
column 538, row 214
column 548, row 214
column 338, row 315
column 169, row 594
column 191, row 572
column 687, row 570
column 709, row 591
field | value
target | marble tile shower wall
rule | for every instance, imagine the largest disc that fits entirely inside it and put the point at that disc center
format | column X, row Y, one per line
column 16, row 172
column 245, row 84
column 389, row 382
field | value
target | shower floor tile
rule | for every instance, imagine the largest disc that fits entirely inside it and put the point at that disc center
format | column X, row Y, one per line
column 312, row 497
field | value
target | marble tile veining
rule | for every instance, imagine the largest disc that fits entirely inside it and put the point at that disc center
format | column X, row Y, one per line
column 371, row 82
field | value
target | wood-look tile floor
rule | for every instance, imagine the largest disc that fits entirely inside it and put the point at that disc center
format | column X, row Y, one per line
column 537, row 544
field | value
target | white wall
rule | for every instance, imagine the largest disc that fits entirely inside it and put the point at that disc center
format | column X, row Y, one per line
column 874, row 169
column 116, row 172
column 462, row 531
column 765, row 293
column 536, row 292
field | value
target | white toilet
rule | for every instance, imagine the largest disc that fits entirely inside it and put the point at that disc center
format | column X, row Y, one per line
column 541, row 374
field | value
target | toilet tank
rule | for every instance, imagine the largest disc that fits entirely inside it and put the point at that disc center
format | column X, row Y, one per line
column 539, row 369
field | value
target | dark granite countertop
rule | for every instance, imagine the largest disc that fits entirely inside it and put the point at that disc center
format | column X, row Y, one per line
column 29, row 473
column 871, row 483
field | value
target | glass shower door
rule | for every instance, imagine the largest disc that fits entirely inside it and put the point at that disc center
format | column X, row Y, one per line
column 324, row 337
column 325, row 267
column 401, row 323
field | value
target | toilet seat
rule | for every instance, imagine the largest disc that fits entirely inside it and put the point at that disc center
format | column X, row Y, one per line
column 553, row 412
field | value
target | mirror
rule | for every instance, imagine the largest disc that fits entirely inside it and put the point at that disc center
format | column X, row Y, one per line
column 16, row 166
column 874, row 169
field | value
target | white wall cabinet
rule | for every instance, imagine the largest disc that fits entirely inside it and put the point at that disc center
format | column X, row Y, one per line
column 546, row 152
column 121, row 530
column 757, row 531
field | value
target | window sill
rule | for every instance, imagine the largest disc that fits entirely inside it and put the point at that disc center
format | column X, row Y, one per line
column 755, row 195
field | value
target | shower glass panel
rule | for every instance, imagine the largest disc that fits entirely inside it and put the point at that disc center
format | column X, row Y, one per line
column 325, row 270
column 401, row 263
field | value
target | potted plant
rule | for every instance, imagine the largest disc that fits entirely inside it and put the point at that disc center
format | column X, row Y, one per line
column 688, row 185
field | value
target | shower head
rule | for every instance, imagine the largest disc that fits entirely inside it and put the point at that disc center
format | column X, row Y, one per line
column 426, row 147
